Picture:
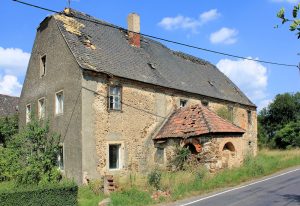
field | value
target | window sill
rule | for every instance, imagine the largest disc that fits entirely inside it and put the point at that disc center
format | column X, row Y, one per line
column 58, row 115
column 115, row 110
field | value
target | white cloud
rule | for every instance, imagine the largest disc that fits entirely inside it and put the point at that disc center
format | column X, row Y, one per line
column 9, row 85
column 224, row 36
column 13, row 64
column 288, row 1
column 13, row 61
column 251, row 77
column 188, row 23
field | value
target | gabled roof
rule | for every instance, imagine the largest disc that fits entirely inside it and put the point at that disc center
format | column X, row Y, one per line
column 194, row 121
column 8, row 105
column 104, row 49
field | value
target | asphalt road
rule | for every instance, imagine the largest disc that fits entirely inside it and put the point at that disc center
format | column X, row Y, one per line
column 278, row 190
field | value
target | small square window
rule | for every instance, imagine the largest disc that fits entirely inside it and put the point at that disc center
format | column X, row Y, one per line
column 59, row 102
column 60, row 158
column 159, row 155
column 204, row 103
column 182, row 103
column 43, row 66
column 28, row 113
column 249, row 117
column 114, row 156
column 41, row 108
column 114, row 98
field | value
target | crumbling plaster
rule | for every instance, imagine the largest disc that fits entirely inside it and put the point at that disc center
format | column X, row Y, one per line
column 144, row 109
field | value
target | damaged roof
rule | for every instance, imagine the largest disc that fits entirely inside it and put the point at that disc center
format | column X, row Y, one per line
column 8, row 105
column 194, row 121
column 104, row 49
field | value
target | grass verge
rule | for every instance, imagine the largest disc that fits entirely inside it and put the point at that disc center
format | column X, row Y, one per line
column 186, row 183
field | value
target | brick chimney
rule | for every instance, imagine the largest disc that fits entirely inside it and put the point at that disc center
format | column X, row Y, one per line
column 133, row 21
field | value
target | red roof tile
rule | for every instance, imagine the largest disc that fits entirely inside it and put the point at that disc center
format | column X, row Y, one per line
column 195, row 120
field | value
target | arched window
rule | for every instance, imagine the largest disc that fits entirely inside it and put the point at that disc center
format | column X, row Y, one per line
column 229, row 146
column 191, row 147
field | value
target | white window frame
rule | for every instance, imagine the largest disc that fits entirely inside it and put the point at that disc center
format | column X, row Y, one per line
column 112, row 98
column 57, row 111
column 120, row 162
column 28, row 113
column 41, row 113
column 43, row 66
column 61, row 167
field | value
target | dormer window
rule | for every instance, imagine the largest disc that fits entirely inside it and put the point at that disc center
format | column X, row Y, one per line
column 43, row 66
column 115, row 97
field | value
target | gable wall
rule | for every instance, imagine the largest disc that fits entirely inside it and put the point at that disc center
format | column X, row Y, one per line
column 62, row 73
column 144, row 109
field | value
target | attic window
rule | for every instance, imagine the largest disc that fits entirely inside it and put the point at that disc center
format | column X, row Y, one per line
column 182, row 103
column 28, row 113
column 204, row 103
column 249, row 117
column 43, row 66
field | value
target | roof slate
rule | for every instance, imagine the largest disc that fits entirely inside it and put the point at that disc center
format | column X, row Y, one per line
column 112, row 54
column 194, row 121
column 8, row 105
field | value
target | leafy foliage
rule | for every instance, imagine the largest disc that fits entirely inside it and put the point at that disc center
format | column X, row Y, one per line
column 8, row 127
column 295, row 22
column 225, row 113
column 30, row 156
column 278, row 119
column 181, row 155
column 154, row 178
column 50, row 194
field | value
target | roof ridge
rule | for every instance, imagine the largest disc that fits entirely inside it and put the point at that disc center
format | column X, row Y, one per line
column 204, row 118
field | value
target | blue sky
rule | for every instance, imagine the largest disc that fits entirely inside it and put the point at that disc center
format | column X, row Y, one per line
column 244, row 28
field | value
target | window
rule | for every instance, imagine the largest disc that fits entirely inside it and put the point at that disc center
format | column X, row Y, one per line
column 249, row 117
column 230, row 113
column 60, row 158
column 43, row 66
column 182, row 103
column 204, row 103
column 114, row 156
column 59, row 102
column 28, row 113
column 115, row 98
column 41, row 108
column 159, row 155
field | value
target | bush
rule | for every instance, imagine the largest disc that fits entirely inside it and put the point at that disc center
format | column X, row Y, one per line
column 181, row 155
column 54, row 194
column 154, row 178
column 34, row 153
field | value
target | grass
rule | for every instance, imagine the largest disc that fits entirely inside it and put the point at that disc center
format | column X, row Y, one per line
column 86, row 197
column 135, row 190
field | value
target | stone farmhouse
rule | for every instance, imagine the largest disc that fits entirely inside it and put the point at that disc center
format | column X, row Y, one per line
column 123, row 102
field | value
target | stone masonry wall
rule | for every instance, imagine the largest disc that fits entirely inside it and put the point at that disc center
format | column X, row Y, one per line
column 144, row 109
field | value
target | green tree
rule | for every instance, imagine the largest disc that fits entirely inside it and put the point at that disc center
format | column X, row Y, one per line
column 33, row 153
column 294, row 21
column 284, row 110
column 8, row 127
column 288, row 136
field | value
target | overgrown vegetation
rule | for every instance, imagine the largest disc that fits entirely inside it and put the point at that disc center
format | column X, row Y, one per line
column 30, row 157
column 225, row 113
column 182, row 184
column 8, row 128
column 278, row 124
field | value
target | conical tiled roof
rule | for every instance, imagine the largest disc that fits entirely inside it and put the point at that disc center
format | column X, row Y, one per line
column 194, row 121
